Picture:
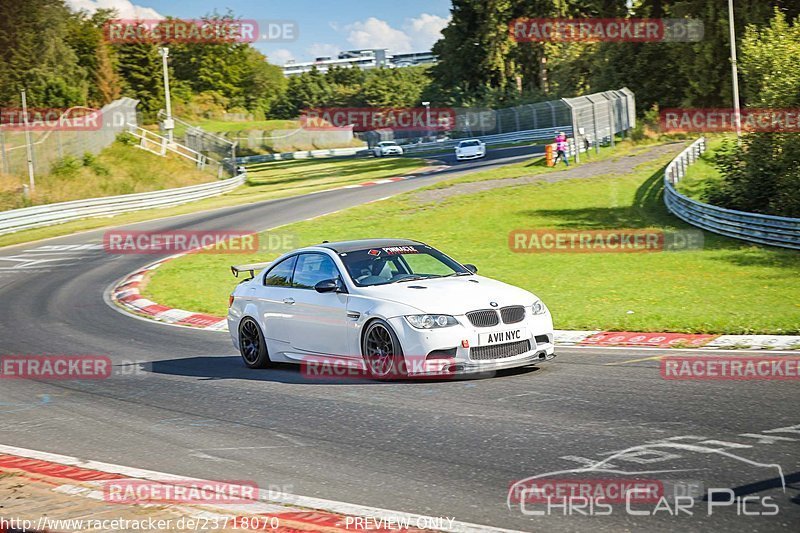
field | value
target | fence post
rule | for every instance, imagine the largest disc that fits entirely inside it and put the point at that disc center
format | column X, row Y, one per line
column 611, row 121
column 3, row 155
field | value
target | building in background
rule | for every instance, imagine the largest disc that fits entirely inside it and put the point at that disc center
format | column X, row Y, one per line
column 363, row 59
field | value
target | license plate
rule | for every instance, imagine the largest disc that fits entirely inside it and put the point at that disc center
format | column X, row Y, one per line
column 502, row 337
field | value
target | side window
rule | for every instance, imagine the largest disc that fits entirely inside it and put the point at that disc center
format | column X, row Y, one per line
column 281, row 274
column 313, row 268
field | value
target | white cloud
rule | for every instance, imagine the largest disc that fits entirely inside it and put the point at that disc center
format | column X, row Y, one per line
column 376, row 33
column 425, row 30
column 323, row 49
column 417, row 34
column 280, row 56
column 125, row 8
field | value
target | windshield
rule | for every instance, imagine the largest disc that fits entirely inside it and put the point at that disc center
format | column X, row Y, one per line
column 379, row 266
column 388, row 143
column 464, row 144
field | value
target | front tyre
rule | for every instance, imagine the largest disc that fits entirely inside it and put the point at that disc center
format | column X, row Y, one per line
column 252, row 345
column 382, row 353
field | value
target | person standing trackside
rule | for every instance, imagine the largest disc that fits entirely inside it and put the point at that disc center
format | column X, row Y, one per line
column 561, row 148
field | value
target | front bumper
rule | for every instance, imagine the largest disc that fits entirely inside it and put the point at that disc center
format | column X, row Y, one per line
column 461, row 157
column 418, row 345
column 459, row 368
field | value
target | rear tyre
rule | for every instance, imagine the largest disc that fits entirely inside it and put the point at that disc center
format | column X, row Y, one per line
column 382, row 353
column 252, row 345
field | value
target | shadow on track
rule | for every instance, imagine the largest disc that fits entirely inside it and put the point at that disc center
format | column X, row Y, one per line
column 231, row 367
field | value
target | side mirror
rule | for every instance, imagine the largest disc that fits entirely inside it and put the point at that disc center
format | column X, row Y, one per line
column 328, row 285
column 472, row 268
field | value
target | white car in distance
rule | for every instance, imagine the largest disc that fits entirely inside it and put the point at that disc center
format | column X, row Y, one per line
column 392, row 307
column 384, row 148
column 470, row 149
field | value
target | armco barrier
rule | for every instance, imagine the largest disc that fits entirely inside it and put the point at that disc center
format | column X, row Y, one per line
column 489, row 140
column 310, row 154
column 751, row 227
column 410, row 149
column 46, row 215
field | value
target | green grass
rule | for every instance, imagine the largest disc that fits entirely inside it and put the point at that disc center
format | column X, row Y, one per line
column 726, row 287
column 118, row 169
column 299, row 174
column 274, row 180
column 537, row 165
column 702, row 173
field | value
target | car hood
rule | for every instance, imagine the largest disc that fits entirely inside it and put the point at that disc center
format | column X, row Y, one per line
column 451, row 296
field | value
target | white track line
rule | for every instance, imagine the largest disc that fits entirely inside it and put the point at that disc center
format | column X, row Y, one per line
column 332, row 506
column 706, row 351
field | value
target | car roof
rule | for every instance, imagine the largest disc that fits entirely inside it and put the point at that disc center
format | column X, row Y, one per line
column 363, row 244
column 469, row 140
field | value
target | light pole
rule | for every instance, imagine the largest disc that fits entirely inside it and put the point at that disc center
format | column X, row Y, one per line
column 169, row 124
column 28, row 147
column 427, row 116
column 737, row 116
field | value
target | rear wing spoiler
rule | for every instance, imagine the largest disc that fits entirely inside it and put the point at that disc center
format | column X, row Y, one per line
column 251, row 268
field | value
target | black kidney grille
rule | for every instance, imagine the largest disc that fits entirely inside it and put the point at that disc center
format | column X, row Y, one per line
column 512, row 314
column 483, row 319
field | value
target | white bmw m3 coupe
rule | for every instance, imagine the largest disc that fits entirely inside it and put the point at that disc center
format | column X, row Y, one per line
column 391, row 306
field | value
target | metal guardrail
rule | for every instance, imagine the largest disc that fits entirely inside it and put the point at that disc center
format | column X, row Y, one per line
column 499, row 138
column 752, row 227
column 50, row 214
column 408, row 149
column 306, row 154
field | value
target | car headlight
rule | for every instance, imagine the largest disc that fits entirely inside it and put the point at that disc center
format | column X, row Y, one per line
column 431, row 321
column 538, row 308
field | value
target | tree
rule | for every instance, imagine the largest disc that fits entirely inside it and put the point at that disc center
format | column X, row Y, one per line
column 262, row 82
column 306, row 90
column 35, row 55
column 140, row 66
column 474, row 53
column 85, row 37
column 394, row 87
column 763, row 174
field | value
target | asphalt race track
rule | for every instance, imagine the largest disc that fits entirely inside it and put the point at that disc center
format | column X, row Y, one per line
column 182, row 402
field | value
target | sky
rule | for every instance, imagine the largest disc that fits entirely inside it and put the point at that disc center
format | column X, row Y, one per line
column 325, row 27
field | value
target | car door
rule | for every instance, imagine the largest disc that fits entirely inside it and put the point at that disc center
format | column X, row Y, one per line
column 319, row 325
column 274, row 301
